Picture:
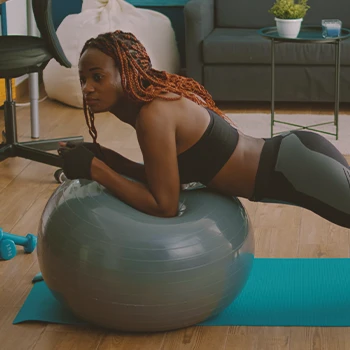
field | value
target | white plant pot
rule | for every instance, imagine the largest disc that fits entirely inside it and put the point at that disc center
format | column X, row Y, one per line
column 288, row 28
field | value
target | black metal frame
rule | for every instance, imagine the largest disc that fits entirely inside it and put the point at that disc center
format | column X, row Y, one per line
column 33, row 150
column 271, row 33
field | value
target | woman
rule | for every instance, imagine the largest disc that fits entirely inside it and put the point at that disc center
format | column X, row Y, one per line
column 185, row 138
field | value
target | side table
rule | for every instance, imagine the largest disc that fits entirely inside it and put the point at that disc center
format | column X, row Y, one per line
column 307, row 34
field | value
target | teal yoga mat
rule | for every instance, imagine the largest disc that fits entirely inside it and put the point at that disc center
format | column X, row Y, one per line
column 279, row 292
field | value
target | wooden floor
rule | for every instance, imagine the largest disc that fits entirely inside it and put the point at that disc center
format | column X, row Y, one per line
column 280, row 231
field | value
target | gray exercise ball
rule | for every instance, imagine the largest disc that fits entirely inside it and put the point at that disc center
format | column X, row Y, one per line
column 116, row 267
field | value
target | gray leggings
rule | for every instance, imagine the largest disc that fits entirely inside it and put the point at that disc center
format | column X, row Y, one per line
column 303, row 168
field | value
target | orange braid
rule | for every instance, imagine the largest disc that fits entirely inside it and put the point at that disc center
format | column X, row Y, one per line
column 90, row 121
column 140, row 81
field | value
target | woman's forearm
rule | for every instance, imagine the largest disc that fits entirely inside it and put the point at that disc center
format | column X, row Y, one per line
column 123, row 165
column 133, row 193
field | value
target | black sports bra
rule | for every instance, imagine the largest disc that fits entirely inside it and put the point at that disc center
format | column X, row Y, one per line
column 202, row 161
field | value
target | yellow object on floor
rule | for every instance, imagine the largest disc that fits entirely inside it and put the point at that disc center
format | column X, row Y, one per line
column 3, row 91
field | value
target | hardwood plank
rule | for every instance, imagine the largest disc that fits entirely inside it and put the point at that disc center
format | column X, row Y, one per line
column 262, row 237
column 243, row 338
column 10, row 169
column 14, row 291
column 29, row 222
column 79, row 340
column 284, row 242
column 335, row 244
column 311, row 338
column 196, row 338
column 16, row 199
column 272, row 215
column 274, row 338
column 314, row 232
column 338, row 242
column 17, row 337
column 314, row 229
column 116, row 341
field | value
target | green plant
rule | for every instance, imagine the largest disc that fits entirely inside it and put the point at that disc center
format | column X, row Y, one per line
column 288, row 9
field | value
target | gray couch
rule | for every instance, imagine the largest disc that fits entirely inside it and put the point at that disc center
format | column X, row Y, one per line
column 225, row 53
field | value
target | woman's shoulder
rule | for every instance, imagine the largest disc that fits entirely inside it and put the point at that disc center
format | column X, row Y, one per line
column 165, row 105
column 155, row 113
column 171, row 109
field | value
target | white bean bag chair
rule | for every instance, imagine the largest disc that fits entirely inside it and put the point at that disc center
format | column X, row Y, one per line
column 152, row 28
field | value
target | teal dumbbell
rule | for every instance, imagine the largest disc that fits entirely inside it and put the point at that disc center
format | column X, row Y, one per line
column 7, row 249
column 28, row 242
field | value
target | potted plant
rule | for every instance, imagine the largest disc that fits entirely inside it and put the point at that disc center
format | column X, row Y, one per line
column 288, row 16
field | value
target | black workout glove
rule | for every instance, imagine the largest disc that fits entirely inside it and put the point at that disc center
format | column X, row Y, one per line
column 95, row 148
column 76, row 162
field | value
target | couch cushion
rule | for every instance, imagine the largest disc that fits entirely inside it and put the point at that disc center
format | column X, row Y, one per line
column 254, row 13
column 246, row 46
column 293, row 83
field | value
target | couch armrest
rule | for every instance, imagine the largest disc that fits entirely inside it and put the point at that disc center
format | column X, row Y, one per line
column 199, row 22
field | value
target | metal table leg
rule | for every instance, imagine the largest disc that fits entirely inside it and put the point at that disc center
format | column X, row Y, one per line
column 313, row 127
column 337, row 87
column 272, row 85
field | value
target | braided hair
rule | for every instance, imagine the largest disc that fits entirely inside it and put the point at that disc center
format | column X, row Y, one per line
column 140, row 82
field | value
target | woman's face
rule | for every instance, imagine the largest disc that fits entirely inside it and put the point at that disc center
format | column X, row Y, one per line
column 100, row 80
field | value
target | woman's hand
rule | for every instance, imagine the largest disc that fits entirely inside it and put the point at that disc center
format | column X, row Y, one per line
column 113, row 159
column 95, row 148
column 77, row 161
